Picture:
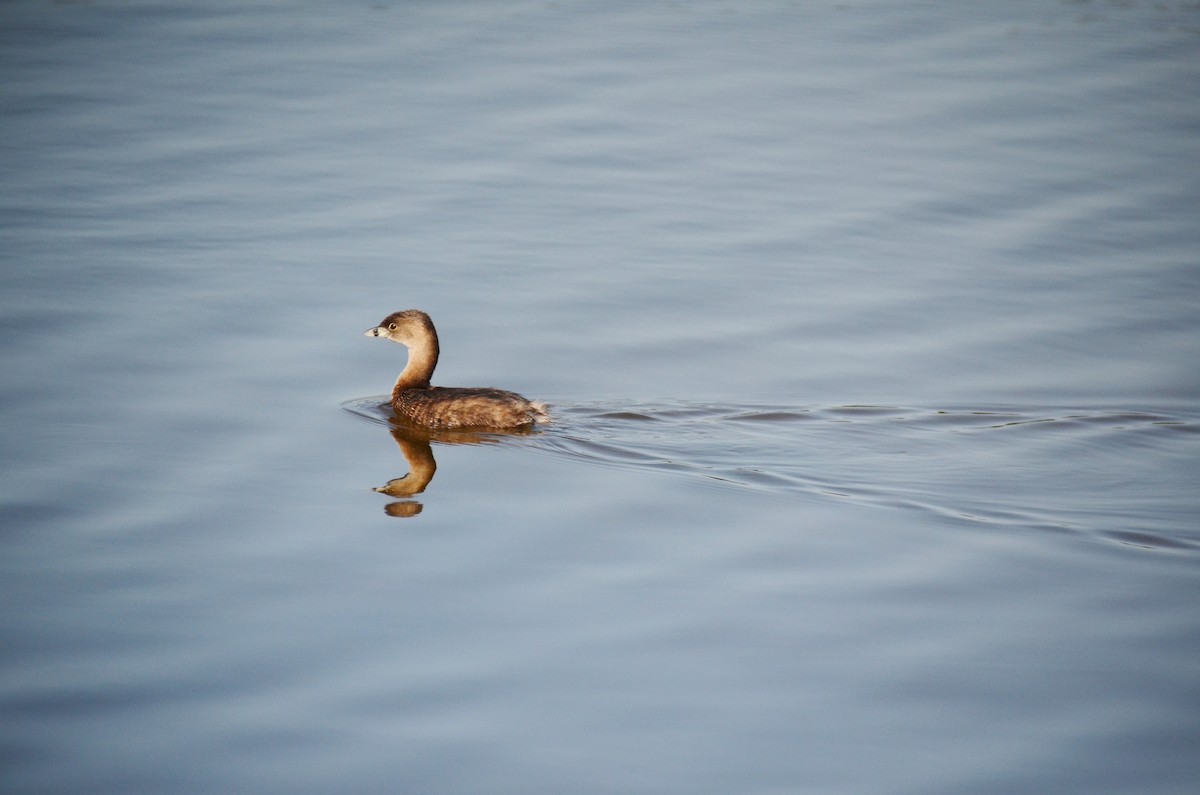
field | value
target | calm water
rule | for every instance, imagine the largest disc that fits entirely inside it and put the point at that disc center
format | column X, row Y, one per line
column 871, row 335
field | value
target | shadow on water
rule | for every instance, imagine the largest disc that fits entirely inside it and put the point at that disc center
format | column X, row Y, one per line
column 1116, row 475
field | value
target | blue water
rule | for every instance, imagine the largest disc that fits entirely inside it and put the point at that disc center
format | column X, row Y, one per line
column 870, row 334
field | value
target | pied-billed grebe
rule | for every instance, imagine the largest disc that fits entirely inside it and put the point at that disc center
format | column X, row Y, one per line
column 446, row 407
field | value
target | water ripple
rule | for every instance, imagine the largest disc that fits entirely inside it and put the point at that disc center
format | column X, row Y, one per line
column 1105, row 474
column 1123, row 476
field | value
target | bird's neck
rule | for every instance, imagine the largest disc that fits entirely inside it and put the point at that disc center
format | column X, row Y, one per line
column 422, row 359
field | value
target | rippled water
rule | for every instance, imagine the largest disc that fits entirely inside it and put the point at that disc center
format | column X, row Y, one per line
column 870, row 333
column 1005, row 469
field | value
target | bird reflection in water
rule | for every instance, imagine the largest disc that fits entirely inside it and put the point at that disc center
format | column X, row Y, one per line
column 416, row 445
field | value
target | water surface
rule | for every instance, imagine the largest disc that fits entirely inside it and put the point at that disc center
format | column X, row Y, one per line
column 870, row 334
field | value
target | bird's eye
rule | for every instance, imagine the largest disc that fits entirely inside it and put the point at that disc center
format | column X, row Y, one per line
column 391, row 326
